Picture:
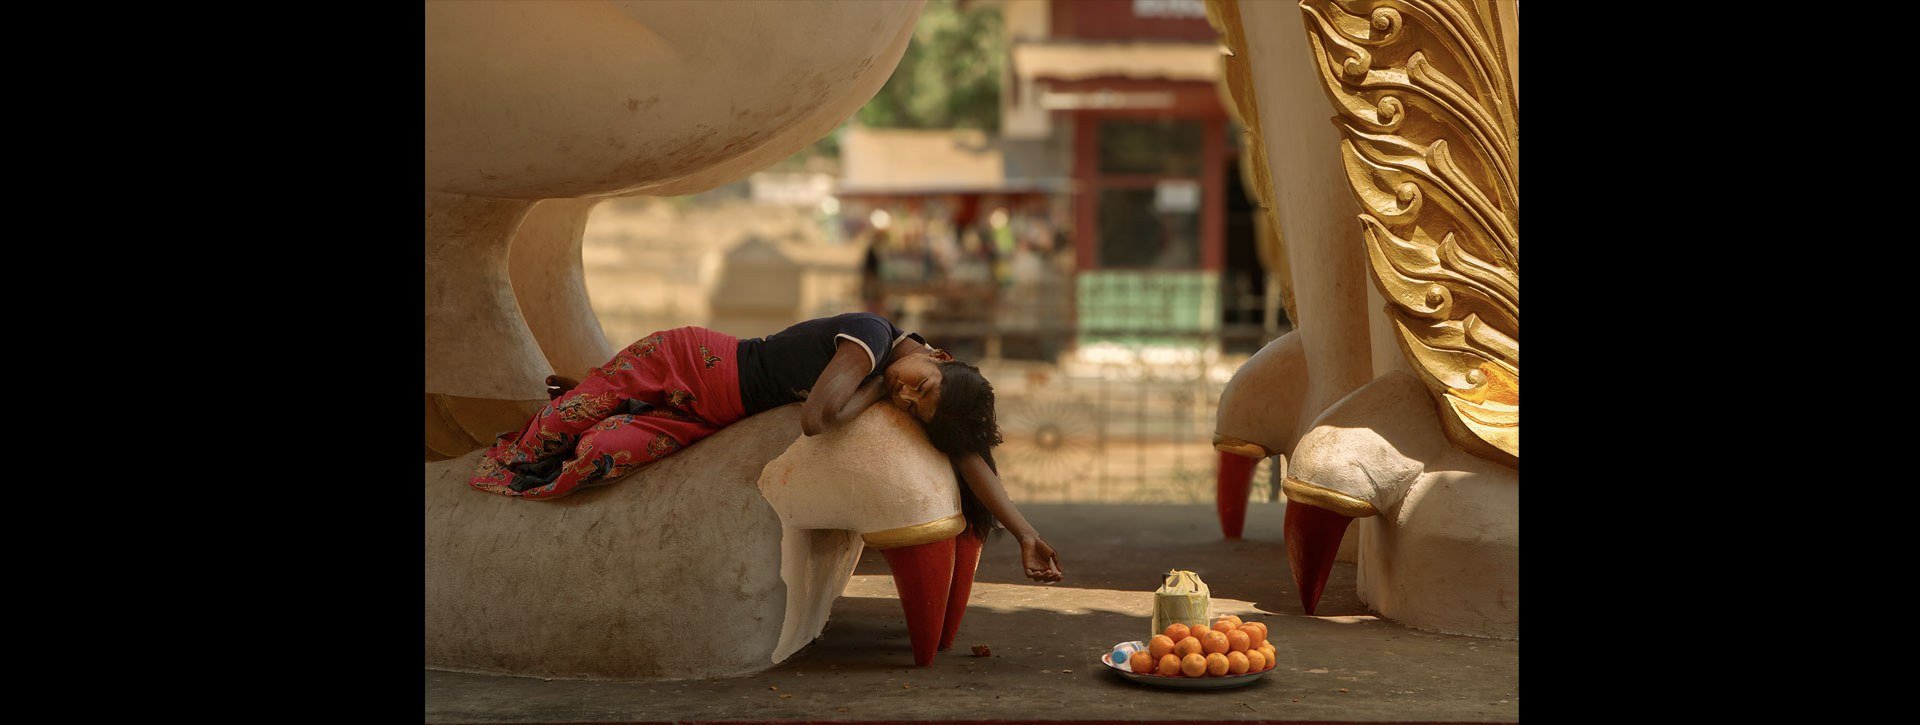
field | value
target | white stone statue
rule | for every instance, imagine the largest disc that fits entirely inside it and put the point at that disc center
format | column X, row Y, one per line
column 532, row 112
column 534, row 109
column 1396, row 398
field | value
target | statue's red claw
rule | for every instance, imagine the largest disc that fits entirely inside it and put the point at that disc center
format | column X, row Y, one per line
column 923, row 575
column 1230, row 492
column 1313, row 538
column 966, row 558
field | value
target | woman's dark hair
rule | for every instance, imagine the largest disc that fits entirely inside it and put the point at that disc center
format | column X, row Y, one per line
column 963, row 423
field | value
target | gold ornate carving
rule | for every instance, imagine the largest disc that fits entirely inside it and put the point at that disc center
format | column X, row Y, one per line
column 1326, row 498
column 1237, row 76
column 917, row 534
column 1429, row 116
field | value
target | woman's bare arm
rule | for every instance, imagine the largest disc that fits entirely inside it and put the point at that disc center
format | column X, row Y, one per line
column 838, row 394
column 873, row 390
column 1039, row 559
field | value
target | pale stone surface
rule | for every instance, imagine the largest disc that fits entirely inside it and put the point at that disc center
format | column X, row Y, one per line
column 815, row 564
column 532, row 101
column 599, row 583
column 1319, row 220
column 477, row 342
column 1450, row 560
column 1444, row 552
column 1038, row 632
column 550, row 286
column 1261, row 403
column 545, row 100
column 1387, row 355
column 872, row 474
column 875, row 473
column 1373, row 443
column 1276, row 396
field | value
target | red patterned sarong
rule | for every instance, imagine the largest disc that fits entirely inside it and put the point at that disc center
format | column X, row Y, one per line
column 657, row 396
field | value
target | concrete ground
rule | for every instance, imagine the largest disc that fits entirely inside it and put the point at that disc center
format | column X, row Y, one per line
column 1343, row 665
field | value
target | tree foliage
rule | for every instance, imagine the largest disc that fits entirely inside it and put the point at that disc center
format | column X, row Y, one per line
column 950, row 74
column 949, row 77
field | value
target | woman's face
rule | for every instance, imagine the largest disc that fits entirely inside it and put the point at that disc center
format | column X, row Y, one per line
column 913, row 383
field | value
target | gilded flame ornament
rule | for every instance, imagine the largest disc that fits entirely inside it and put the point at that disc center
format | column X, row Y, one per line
column 1429, row 119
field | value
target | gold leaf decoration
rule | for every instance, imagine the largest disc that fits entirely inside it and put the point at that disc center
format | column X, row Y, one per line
column 1429, row 119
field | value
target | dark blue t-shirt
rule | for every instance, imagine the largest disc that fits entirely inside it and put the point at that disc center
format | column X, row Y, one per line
column 781, row 368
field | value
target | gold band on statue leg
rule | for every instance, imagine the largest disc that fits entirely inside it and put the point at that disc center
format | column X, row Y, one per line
column 1246, row 449
column 1326, row 498
column 917, row 534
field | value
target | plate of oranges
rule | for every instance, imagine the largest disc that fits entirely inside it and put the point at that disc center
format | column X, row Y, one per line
column 1230, row 654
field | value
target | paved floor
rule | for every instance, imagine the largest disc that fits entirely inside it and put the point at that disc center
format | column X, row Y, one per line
column 1343, row 665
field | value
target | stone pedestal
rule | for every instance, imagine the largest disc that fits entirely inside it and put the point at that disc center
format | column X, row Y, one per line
column 1443, row 551
column 673, row 572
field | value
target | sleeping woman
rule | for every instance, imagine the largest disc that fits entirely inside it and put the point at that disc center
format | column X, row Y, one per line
column 672, row 388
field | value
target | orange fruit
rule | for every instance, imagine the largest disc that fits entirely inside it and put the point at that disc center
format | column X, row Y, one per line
column 1169, row 666
column 1256, row 661
column 1160, row 646
column 1217, row 664
column 1235, row 619
column 1272, row 657
column 1177, row 632
column 1236, row 663
column 1256, row 633
column 1141, row 663
column 1237, row 640
column 1193, row 665
column 1188, row 646
column 1214, row 642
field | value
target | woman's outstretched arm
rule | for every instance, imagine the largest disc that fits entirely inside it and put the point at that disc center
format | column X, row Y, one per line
column 839, row 395
column 1039, row 560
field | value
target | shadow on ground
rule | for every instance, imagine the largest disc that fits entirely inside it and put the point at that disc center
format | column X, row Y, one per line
column 1344, row 664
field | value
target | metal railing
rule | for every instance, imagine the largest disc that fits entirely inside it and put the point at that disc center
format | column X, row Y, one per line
column 1106, row 389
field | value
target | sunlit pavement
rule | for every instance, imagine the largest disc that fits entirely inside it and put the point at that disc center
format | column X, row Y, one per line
column 1342, row 665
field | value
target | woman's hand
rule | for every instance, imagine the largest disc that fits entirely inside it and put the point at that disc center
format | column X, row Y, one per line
column 1037, row 557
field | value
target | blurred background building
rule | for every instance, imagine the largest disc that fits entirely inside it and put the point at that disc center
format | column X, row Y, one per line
column 1050, row 189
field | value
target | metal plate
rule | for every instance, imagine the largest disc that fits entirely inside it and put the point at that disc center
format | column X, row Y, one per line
column 1178, row 683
